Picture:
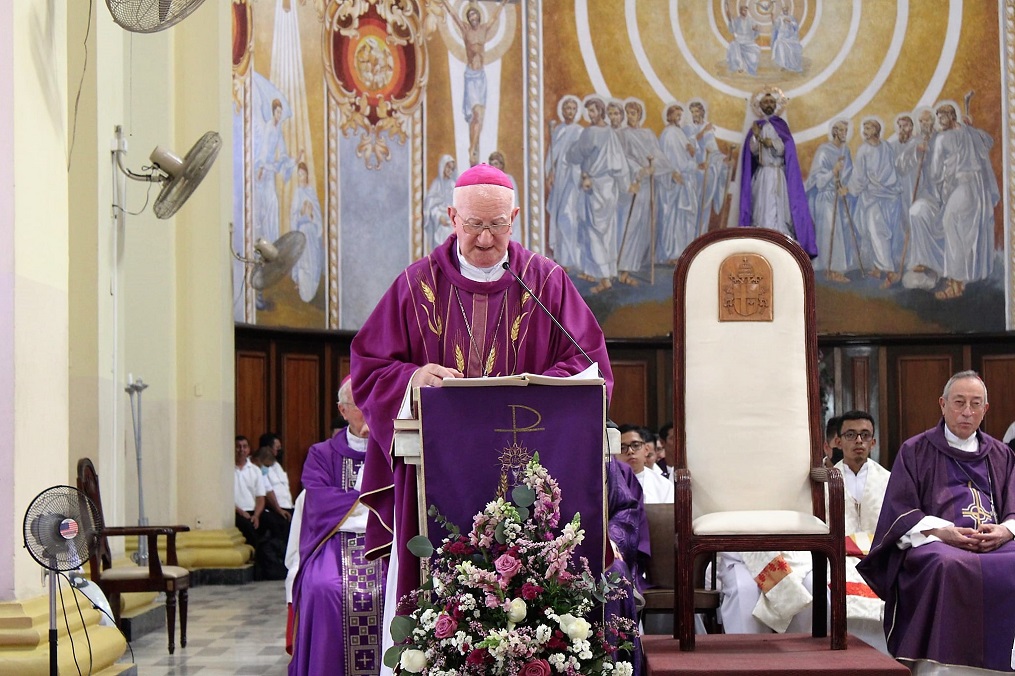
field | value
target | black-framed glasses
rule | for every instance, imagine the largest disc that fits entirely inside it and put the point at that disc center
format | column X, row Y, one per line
column 633, row 446
column 851, row 435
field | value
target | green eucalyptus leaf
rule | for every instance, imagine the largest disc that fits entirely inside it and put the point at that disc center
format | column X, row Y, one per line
column 392, row 656
column 523, row 496
column 420, row 546
column 523, row 513
column 498, row 534
column 401, row 628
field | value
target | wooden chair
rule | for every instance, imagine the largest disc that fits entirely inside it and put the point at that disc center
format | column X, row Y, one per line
column 660, row 597
column 747, row 416
column 155, row 577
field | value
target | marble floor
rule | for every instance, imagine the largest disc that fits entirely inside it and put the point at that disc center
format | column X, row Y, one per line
column 236, row 630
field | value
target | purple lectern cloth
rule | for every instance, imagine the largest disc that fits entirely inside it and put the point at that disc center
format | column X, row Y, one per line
column 419, row 321
column 943, row 603
column 628, row 529
column 803, row 224
column 468, row 462
column 338, row 595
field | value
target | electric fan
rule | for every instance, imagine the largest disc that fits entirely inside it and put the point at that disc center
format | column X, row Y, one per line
column 179, row 176
column 61, row 527
column 150, row 16
column 273, row 261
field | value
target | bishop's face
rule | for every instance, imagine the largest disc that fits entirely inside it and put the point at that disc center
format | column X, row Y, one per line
column 965, row 406
column 479, row 206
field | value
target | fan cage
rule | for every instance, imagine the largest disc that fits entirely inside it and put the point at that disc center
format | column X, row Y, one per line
column 150, row 16
column 61, row 528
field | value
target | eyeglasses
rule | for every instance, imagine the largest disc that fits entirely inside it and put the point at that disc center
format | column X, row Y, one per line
column 633, row 446
column 959, row 405
column 474, row 226
column 851, row 435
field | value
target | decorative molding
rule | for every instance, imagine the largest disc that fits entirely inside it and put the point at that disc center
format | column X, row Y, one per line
column 1008, row 87
column 334, row 196
column 533, row 142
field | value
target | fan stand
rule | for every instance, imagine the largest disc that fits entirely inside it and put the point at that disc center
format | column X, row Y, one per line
column 54, row 669
column 137, row 387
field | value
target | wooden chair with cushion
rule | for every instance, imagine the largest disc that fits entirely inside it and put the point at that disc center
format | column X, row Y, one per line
column 155, row 577
column 747, row 416
column 660, row 597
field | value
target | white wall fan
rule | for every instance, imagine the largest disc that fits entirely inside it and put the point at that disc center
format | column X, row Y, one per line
column 179, row 176
column 150, row 16
column 273, row 260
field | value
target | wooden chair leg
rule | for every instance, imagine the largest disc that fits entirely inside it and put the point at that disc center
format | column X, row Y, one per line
column 171, row 619
column 183, row 618
column 819, row 604
column 114, row 605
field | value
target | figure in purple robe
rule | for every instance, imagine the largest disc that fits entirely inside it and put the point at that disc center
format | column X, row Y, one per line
column 772, row 191
column 456, row 313
column 338, row 594
column 628, row 530
column 950, row 593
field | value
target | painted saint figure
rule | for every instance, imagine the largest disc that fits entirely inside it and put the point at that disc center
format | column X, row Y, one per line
column 787, row 52
column 679, row 191
column 875, row 183
column 475, row 35
column 743, row 52
column 436, row 222
column 563, row 179
column 924, row 257
column 600, row 157
column 271, row 159
column 829, row 201
column 771, row 188
column 305, row 217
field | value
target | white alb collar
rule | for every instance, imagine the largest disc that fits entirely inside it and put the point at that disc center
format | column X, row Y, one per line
column 968, row 445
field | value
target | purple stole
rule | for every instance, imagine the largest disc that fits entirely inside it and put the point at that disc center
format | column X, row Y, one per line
column 337, row 595
column 803, row 224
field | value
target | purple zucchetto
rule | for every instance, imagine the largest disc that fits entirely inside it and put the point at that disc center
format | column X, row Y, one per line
column 483, row 174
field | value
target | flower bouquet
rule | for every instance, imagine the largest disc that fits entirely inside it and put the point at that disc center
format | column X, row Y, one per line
column 504, row 599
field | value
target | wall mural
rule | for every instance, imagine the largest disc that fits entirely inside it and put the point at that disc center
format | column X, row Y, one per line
column 872, row 131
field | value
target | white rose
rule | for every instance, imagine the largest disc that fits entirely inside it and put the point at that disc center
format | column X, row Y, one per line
column 579, row 630
column 624, row 669
column 565, row 621
column 413, row 661
column 516, row 610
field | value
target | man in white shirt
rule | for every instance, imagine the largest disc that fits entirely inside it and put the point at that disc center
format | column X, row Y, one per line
column 277, row 476
column 634, row 450
column 248, row 492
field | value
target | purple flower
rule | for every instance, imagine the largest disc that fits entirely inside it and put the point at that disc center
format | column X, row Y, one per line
column 507, row 566
column 445, row 627
column 536, row 668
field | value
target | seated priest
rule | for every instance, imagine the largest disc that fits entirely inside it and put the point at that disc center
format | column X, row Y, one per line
column 942, row 556
column 337, row 594
column 459, row 313
column 772, row 591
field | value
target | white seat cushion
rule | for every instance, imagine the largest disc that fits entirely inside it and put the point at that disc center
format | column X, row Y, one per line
column 140, row 573
column 759, row 523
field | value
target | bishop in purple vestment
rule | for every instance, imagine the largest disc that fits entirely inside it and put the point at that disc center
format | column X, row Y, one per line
column 338, row 594
column 458, row 313
column 942, row 557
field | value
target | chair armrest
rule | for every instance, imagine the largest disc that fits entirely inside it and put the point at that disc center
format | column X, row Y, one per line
column 152, row 533
column 819, row 474
column 836, row 504
column 682, row 500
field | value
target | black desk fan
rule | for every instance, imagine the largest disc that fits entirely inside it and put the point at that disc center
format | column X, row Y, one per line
column 62, row 526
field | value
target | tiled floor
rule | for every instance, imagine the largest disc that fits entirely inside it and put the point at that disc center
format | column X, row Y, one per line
column 231, row 630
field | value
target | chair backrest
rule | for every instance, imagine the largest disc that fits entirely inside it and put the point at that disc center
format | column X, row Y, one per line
column 746, row 401
column 660, row 530
column 88, row 483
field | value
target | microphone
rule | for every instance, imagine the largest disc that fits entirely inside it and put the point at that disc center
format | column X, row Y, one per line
column 549, row 314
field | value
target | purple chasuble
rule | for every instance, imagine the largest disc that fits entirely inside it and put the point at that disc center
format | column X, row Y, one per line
column 338, row 595
column 628, row 529
column 947, row 604
column 803, row 224
column 426, row 317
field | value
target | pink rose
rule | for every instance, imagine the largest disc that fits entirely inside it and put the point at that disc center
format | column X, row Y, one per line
column 536, row 668
column 445, row 627
column 507, row 566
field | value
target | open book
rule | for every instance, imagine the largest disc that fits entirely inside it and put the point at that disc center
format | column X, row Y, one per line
column 589, row 376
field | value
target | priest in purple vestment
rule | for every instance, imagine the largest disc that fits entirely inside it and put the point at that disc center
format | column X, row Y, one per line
column 338, row 594
column 627, row 527
column 772, row 191
column 942, row 557
column 458, row 313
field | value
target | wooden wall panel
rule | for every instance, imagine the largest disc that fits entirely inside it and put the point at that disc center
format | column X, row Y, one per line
column 919, row 379
column 301, row 378
column 630, row 393
column 252, row 386
column 998, row 372
column 861, row 382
